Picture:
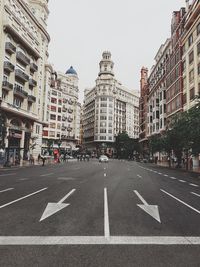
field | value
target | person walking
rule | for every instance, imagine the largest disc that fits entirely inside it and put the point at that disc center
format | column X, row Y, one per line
column 43, row 161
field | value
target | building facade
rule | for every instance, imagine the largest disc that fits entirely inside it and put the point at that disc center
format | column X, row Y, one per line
column 64, row 112
column 156, row 114
column 23, row 56
column 109, row 108
column 191, row 56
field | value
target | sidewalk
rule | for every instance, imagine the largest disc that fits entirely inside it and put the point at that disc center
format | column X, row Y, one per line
column 194, row 171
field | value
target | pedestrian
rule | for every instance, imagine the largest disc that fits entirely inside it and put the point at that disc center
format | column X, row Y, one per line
column 43, row 160
column 191, row 163
column 39, row 157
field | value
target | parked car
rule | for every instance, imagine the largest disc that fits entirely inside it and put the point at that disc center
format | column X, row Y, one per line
column 103, row 158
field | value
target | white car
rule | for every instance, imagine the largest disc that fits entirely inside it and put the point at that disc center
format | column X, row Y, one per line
column 103, row 158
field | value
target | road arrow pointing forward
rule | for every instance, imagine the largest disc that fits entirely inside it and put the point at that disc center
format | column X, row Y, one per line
column 152, row 210
column 53, row 208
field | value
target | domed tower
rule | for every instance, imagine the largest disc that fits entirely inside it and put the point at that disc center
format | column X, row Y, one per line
column 40, row 10
column 106, row 64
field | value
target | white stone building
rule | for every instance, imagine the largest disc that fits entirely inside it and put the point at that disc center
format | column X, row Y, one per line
column 23, row 56
column 64, row 112
column 109, row 108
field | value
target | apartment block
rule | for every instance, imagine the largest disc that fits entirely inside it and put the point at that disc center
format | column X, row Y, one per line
column 23, row 55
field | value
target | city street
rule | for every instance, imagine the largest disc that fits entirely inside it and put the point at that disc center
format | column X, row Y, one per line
column 121, row 213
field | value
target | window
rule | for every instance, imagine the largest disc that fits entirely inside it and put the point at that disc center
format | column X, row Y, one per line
column 52, row 116
column 191, row 76
column 198, row 69
column 37, row 129
column 190, row 40
column 198, row 48
column 184, row 65
column 184, row 99
column 198, row 29
column 53, row 108
column 191, row 57
column 192, row 95
column 17, row 102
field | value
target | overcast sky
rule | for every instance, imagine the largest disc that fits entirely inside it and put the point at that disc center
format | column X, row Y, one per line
column 131, row 30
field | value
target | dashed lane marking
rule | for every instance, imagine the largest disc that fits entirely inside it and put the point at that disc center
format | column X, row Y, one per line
column 48, row 174
column 5, row 190
column 182, row 181
column 7, row 204
column 195, row 185
column 195, row 194
column 179, row 200
column 166, row 175
column 7, row 174
column 139, row 176
column 173, row 178
column 104, row 174
column 106, row 216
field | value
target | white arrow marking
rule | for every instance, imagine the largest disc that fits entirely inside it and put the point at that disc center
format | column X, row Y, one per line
column 152, row 210
column 53, row 208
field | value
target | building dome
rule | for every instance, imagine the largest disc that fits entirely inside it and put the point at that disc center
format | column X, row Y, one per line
column 71, row 70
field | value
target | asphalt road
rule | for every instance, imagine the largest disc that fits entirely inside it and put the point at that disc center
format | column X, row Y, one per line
column 97, row 214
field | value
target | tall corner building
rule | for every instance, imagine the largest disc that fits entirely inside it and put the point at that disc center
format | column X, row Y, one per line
column 109, row 109
column 23, row 56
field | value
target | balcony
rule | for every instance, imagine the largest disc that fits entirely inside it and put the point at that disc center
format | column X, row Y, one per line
column 7, row 86
column 23, row 58
column 33, row 67
column 69, row 129
column 21, row 75
column 32, row 83
column 64, row 109
column 63, row 128
column 9, row 67
column 10, row 48
column 20, row 92
column 70, row 102
column 64, row 118
column 31, row 98
column 70, row 110
column 70, row 119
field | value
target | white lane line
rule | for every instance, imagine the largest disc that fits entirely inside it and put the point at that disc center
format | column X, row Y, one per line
column 7, row 204
column 43, row 175
column 195, row 185
column 160, row 173
column 106, row 216
column 173, row 178
column 166, row 175
column 23, row 179
column 66, row 178
column 98, row 240
column 182, row 181
column 7, row 174
column 104, row 174
column 104, row 168
column 5, row 190
column 139, row 176
column 187, row 205
column 195, row 194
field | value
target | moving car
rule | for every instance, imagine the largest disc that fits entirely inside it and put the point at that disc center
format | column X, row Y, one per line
column 103, row 158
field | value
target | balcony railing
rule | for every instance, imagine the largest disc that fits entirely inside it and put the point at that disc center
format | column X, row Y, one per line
column 63, row 128
column 8, row 66
column 21, row 75
column 32, row 83
column 70, row 119
column 7, row 86
column 69, row 129
column 10, row 48
column 20, row 92
column 23, row 58
column 33, row 67
column 31, row 98
column 70, row 110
